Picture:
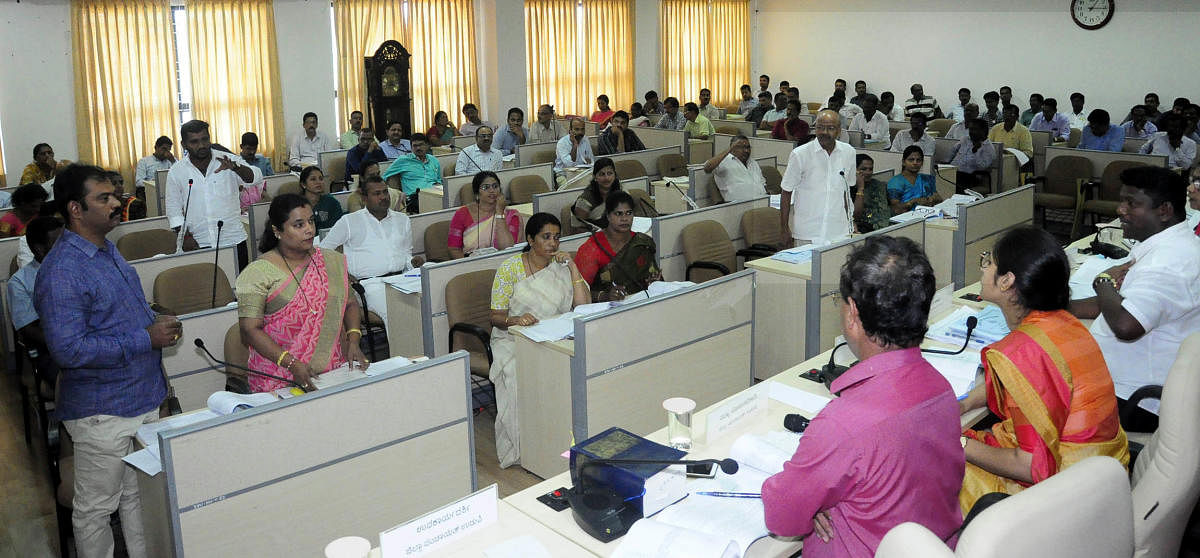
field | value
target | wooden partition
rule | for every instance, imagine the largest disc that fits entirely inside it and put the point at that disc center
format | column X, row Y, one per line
column 744, row 127
column 1041, row 140
column 276, row 181
column 885, row 160
column 459, row 142
column 435, row 325
column 648, row 158
column 1133, row 145
column 1101, row 159
column 328, row 160
column 149, row 268
column 553, row 202
column 694, row 343
column 286, row 478
column 455, row 183
column 701, row 184
column 823, row 322
column 667, row 232
column 981, row 223
column 192, row 374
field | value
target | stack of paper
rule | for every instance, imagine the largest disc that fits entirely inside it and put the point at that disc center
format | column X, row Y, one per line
column 797, row 255
column 960, row 370
column 641, row 224
column 659, row 288
column 949, row 206
column 148, row 459
column 409, row 282
column 226, row 402
column 953, row 328
column 551, row 329
column 1081, row 280
column 918, row 212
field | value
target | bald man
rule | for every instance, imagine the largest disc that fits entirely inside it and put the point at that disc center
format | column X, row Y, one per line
column 819, row 174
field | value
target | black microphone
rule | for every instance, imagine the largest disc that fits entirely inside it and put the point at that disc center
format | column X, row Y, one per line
column 216, row 264
column 972, row 321
column 183, row 227
column 200, row 345
column 1106, row 249
column 795, row 422
column 682, row 194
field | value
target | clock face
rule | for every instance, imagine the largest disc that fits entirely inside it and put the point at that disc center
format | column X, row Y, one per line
column 1092, row 14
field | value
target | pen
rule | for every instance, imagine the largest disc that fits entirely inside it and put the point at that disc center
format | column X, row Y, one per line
column 731, row 494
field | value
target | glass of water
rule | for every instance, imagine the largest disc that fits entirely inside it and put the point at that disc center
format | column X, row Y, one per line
column 679, row 422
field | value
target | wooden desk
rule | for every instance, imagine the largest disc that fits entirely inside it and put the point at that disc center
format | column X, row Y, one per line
column 405, row 329
column 781, row 297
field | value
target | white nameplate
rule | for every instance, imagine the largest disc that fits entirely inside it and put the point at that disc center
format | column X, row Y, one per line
column 439, row 528
column 737, row 410
column 943, row 301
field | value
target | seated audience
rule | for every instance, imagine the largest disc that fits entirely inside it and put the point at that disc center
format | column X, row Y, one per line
column 536, row 284
column 973, row 157
column 1077, row 119
column 764, row 83
column 546, row 129
column 321, row 332
column 1012, row 133
column 1150, row 102
column 1180, row 150
column 481, row 156
column 41, row 234
column 889, row 108
column 794, row 95
column 376, row 240
column 958, row 130
column 161, row 159
column 707, row 109
column 44, row 167
column 1138, row 125
column 513, row 134
column 1144, row 308
column 589, row 206
column 1050, row 120
column 326, row 209
column 618, row 138
column 484, row 224
column 616, row 261
column 860, row 93
column 27, row 203
column 638, row 118
column 1177, row 108
column 873, row 123
column 396, row 145
column 473, row 123
column 671, row 118
column 748, row 101
column 248, row 149
column 1100, row 134
column 911, row 188
column 920, row 104
column 132, row 207
column 915, row 135
column 992, row 113
column 871, row 208
column 652, row 104
column 695, row 124
column 770, row 118
column 957, row 111
column 417, row 170
column 367, row 150
column 349, row 138
column 847, row 112
column 304, row 147
column 784, row 86
column 1035, row 108
column 1192, row 116
column 573, row 149
column 791, row 128
column 603, row 112
column 1006, row 97
column 884, row 451
column 758, row 113
column 736, row 175
column 443, row 131
column 1046, row 380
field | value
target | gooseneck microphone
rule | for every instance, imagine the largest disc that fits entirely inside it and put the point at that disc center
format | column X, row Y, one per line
column 183, row 227
column 200, row 345
column 216, row 265
column 727, row 465
column 972, row 321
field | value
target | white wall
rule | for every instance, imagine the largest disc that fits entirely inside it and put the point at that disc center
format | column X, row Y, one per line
column 945, row 44
column 647, row 50
column 304, row 41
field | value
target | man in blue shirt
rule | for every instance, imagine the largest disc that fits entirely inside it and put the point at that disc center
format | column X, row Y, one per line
column 417, row 170
column 108, row 344
column 41, row 233
column 365, row 152
column 513, row 134
column 1100, row 135
column 249, row 151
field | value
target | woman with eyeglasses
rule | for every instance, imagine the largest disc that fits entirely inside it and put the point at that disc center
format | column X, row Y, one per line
column 1046, row 380
column 617, row 261
column 484, row 225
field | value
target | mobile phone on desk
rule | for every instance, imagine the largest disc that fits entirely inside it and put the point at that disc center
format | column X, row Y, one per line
column 702, row 470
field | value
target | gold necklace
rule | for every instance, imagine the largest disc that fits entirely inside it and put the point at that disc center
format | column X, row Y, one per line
column 307, row 302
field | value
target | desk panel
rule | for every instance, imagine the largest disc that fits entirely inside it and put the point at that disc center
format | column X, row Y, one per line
column 667, row 232
column 454, row 184
column 193, row 376
column 648, row 158
column 981, row 223
column 1101, row 159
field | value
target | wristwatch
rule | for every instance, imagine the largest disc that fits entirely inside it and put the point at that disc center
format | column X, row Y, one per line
column 1104, row 278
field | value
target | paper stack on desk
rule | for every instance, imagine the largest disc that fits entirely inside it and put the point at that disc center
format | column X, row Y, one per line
column 953, row 328
column 797, row 255
column 409, row 282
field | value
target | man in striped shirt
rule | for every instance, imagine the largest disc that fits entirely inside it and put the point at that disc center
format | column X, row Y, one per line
column 919, row 103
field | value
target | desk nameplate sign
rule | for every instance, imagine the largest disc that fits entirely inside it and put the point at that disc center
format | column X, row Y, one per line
column 743, row 407
column 441, row 527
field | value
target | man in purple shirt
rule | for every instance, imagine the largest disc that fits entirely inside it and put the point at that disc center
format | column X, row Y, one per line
column 1100, row 134
column 108, row 344
column 887, row 449
column 1052, row 121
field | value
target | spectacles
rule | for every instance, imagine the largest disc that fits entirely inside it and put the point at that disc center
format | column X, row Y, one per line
column 985, row 259
column 487, row 187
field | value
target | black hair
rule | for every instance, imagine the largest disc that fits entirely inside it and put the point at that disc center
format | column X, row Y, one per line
column 418, row 137
column 991, row 96
column 480, row 176
column 593, row 187
column 784, row 83
column 965, row 89
column 670, row 102
column 38, row 147
column 780, row 96
column 621, row 114
column 839, row 80
column 977, row 122
column 69, row 186
column 795, row 90
column 1150, row 94
column 354, row 112
column 309, row 114
column 190, row 127
column 1181, row 102
column 535, row 225
column 858, row 82
column 438, row 113
column 871, row 97
column 1038, row 96
column 307, row 172
column 602, row 97
column 1159, row 184
column 1169, row 119
column 920, row 115
column 892, row 285
column 1050, row 102
column 1099, row 116
column 691, row 107
column 250, row 138
column 1012, row 107
column 765, row 76
column 1038, row 264
column 516, row 110
column 277, row 216
column 615, row 199
column 163, row 140
column 1077, row 95
column 29, row 193
column 888, row 94
column 651, row 94
column 467, row 106
column 112, row 176
column 703, row 89
column 395, row 122
column 795, row 103
column 914, row 148
column 37, row 231
column 367, row 181
column 858, row 159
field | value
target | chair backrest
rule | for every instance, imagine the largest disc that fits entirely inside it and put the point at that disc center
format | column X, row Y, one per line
column 912, row 540
column 189, row 288
column 641, row 203
column 139, row 245
column 761, row 226
column 469, row 300
column 814, row 107
column 466, row 194
column 940, row 125
column 1073, row 140
column 1110, row 179
column 629, row 168
column 448, row 168
column 714, row 193
column 707, row 241
column 1084, row 511
column 731, row 130
column 774, row 179
column 236, row 352
column 289, row 188
column 671, row 164
column 522, row 188
column 1166, row 475
column 354, row 202
column 564, row 217
column 543, row 157
column 437, row 236
column 335, row 171
column 1063, row 172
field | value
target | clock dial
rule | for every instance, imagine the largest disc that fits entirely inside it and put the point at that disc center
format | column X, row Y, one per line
column 1092, row 14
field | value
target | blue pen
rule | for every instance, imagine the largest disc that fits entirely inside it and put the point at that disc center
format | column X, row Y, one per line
column 731, row 494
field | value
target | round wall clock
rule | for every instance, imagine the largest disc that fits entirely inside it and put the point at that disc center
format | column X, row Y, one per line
column 1092, row 14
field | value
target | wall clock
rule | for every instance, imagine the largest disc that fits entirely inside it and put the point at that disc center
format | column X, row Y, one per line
column 1092, row 14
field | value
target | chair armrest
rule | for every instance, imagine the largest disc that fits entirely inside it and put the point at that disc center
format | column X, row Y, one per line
column 1144, row 392
column 471, row 329
column 753, row 253
column 687, row 274
column 1089, row 188
column 763, row 247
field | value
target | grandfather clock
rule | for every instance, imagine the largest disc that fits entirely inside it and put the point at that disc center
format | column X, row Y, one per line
column 389, row 97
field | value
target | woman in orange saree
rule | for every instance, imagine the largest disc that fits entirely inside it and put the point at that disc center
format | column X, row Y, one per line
column 1046, row 380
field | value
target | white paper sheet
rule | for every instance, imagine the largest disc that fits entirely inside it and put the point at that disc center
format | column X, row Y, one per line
column 1081, row 280
column 798, row 398
column 225, row 402
column 409, row 282
column 148, row 433
column 551, row 329
column 387, row 365
column 146, row 459
column 642, row 224
column 797, row 255
column 524, row 546
column 960, row 370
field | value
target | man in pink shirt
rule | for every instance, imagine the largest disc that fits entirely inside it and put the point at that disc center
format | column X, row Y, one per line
column 887, row 449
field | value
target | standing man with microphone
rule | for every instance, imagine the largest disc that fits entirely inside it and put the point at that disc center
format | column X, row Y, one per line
column 108, row 344
column 216, row 178
column 819, row 174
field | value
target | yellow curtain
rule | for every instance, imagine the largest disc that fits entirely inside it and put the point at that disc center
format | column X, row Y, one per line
column 705, row 43
column 360, row 27
column 608, row 63
column 125, row 95
column 442, row 33
column 551, row 57
column 235, row 73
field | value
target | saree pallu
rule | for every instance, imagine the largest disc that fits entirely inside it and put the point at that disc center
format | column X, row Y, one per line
column 545, row 294
column 630, row 268
column 1048, row 383
column 306, row 320
column 482, row 235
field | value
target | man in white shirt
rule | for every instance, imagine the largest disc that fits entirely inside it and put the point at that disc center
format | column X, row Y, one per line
column 303, row 149
column 1077, row 118
column 573, row 149
column 203, row 193
column 819, row 174
column 377, row 241
column 1179, row 149
column 872, row 122
column 964, row 99
column 473, row 123
column 847, row 112
column 1144, row 308
column 707, row 109
column 481, row 156
column 889, row 108
column 161, row 159
column 776, row 114
column 914, row 135
column 546, row 129
column 959, row 129
column 737, row 176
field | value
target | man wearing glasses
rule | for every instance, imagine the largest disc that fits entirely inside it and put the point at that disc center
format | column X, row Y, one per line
column 479, row 157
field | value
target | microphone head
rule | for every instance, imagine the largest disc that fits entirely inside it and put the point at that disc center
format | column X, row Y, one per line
column 728, row 466
column 200, row 342
column 794, row 422
column 972, row 321
column 220, row 224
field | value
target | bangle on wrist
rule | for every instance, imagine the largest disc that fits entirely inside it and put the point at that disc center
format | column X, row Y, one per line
column 279, row 361
column 354, row 330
